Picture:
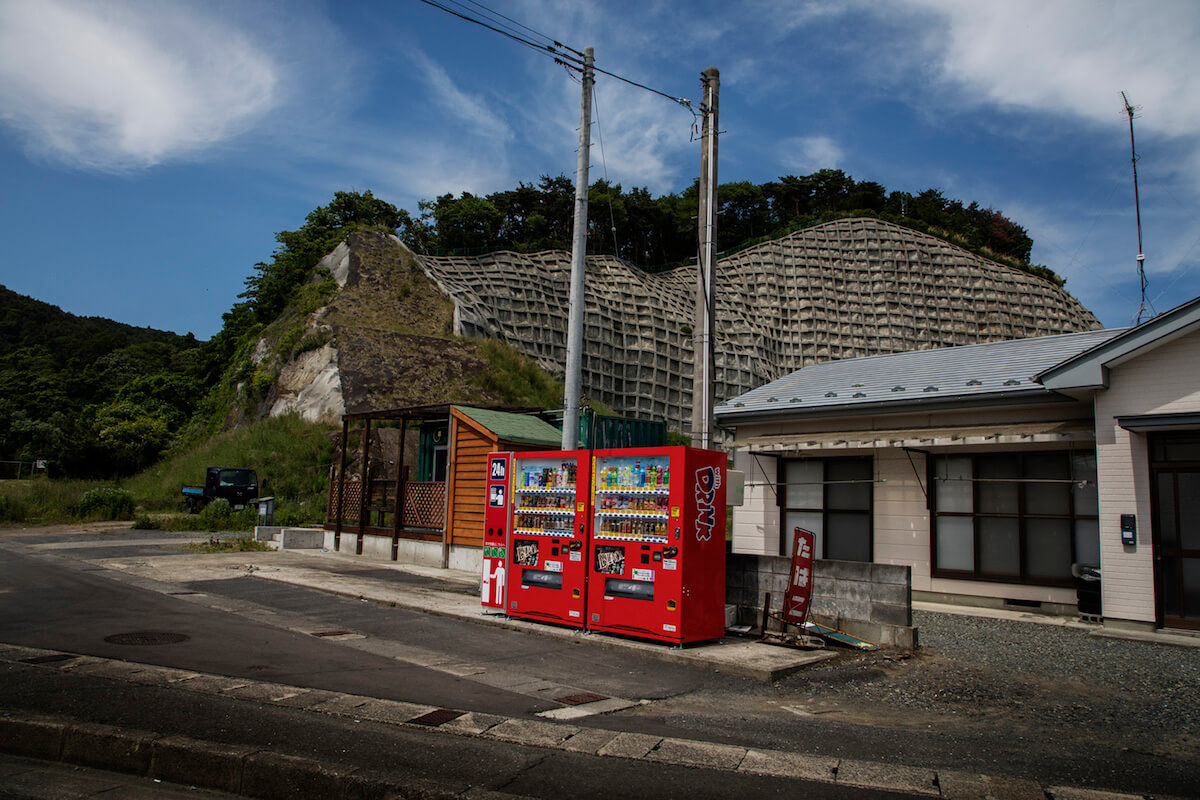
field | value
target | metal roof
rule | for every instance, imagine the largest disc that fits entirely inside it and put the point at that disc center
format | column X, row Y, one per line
column 517, row 428
column 946, row 376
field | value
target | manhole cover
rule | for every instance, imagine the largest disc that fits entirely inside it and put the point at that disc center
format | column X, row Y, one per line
column 146, row 638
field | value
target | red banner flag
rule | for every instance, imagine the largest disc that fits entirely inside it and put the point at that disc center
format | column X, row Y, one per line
column 795, row 610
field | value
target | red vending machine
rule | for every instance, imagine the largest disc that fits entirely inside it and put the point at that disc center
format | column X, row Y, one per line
column 547, row 564
column 496, row 516
column 657, row 556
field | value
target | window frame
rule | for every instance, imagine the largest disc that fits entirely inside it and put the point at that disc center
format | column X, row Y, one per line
column 1022, row 515
column 825, row 511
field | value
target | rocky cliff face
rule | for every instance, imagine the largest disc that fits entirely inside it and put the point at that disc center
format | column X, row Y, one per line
column 392, row 335
column 385, row 340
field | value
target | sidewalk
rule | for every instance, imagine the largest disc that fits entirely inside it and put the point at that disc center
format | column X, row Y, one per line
column 454, row 593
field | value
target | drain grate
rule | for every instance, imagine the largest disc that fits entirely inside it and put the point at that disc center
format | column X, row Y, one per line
column 580, row 699
column 147, row 638
column 435, row 718
column 48, row 659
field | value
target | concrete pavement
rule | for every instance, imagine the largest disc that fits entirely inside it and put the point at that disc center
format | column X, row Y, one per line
column 269, row 770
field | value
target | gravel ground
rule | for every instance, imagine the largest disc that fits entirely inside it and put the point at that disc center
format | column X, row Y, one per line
column 1037, row 679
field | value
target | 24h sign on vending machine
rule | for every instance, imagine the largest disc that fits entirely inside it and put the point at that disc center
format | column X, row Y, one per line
column 657, row 558
column 495, row 532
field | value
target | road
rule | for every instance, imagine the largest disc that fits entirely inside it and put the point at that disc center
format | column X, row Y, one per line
column 73, row 592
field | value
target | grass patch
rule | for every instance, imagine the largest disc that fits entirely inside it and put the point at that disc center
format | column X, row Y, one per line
column 42, row 501
column 291, row 457
column 517, row 380
column 240, row 544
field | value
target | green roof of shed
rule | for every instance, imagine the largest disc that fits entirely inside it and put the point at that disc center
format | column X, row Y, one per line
column 519, row 428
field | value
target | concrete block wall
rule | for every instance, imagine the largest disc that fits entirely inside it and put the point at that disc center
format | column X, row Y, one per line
column 871, row 601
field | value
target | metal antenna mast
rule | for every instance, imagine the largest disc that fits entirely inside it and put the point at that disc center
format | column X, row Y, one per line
column 1145, row 309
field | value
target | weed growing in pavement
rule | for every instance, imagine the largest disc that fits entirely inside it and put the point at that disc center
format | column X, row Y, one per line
column 240, row 544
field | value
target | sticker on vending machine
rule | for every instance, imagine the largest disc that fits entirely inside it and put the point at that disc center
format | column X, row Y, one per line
column 643, row 575
column 668, row 563
column 576, row 555
column 610, row 560
column 554, row 566
column 668, row 628
column 525, row 552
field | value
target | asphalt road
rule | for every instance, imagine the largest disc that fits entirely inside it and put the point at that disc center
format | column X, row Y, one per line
column 56, row 593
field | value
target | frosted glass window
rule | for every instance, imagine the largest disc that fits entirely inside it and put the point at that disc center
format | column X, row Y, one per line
column 1189, row 510
column 954, row 488
column 1087, row 541
column 805, row 484
column 1083, row 471
column 849, row 536
column 850, row 483
column 1165, row 489
column 997, row 495
column 1047, row 487
column 956, row 543
column 999, row 546
column 809, row 521
column 1048, row 548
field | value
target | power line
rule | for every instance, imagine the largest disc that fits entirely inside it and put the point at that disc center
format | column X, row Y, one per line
column 547, row 50
column 555, row 50
column 553, row 41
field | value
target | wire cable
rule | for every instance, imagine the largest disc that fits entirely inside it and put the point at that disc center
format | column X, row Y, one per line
column 553, row 41
column 555, row 50
column 546, row 50
column 604, row 163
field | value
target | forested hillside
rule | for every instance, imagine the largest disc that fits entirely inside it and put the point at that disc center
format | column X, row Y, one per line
column 89, row 394
column 660, row 231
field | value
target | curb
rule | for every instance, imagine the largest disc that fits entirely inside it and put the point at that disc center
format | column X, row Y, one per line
column 266, row 774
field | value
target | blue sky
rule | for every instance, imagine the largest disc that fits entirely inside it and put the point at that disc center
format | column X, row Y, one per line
column 151, row 149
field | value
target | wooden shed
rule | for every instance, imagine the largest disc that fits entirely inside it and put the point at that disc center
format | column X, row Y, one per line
column 474, row 433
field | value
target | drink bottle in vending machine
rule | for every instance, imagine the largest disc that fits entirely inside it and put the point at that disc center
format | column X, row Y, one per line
column 547, row 557
column 657, row 558
column 496, row 518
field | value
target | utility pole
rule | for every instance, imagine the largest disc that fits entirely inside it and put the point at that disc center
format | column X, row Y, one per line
column 704, row 361
column 575, row 315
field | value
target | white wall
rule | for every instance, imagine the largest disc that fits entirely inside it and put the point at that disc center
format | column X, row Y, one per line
column 1165, row 380
column 756, row 521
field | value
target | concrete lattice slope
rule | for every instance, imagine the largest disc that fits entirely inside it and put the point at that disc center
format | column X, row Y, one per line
column 843, row 289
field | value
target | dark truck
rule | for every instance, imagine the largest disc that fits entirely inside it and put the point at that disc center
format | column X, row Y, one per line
column 237, row 485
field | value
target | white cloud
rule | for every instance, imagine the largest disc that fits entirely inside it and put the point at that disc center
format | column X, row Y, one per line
column 1072, row 57
column 806, row 154
column 119, row 86
column 472, row 109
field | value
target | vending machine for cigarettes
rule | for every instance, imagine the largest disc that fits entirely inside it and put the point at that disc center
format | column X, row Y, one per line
column 547, row 554
column 657, row 558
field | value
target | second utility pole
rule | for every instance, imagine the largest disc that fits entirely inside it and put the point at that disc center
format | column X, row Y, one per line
column 703, row 365
column 575, row 314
